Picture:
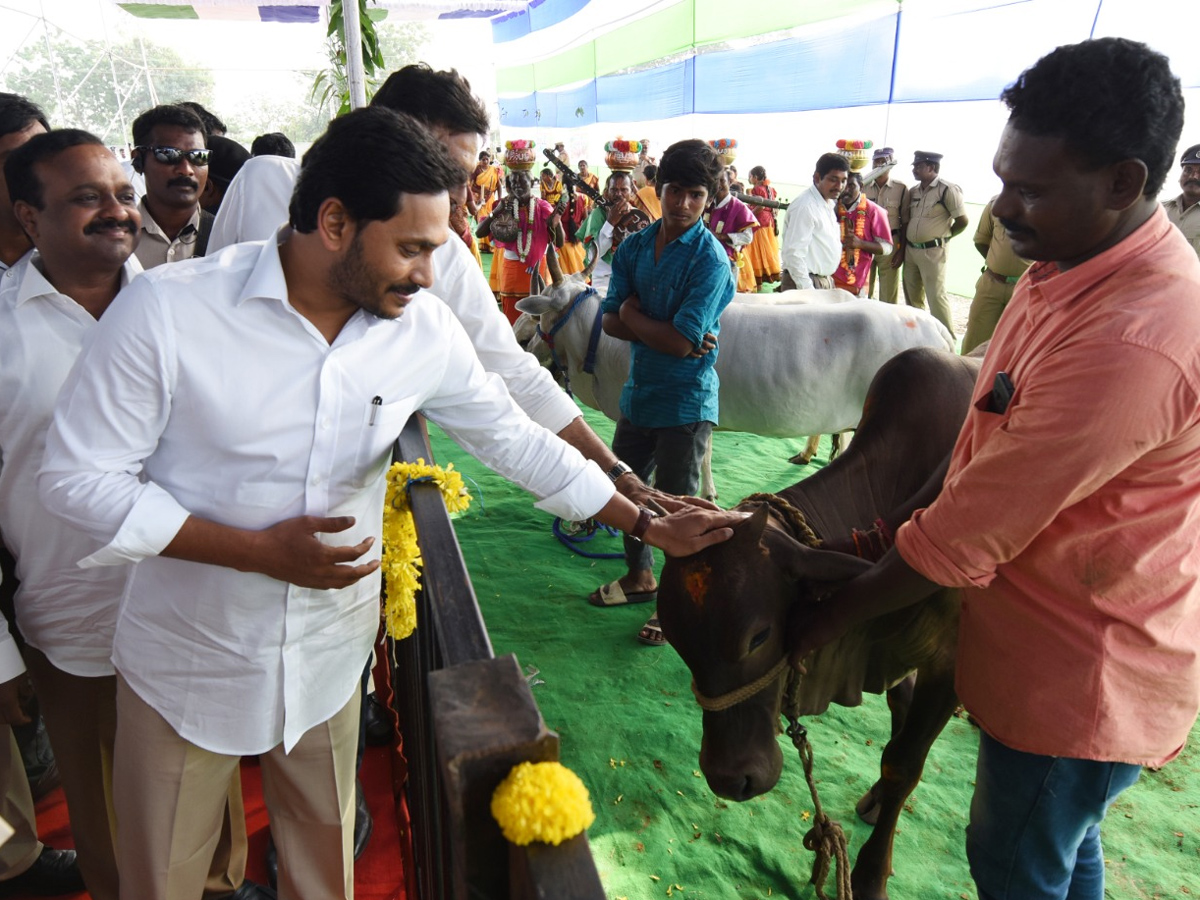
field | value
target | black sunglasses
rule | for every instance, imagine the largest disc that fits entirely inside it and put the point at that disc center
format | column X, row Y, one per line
column 170, row 156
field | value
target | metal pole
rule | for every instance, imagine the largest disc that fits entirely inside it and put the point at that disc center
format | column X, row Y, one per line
column 352, row 38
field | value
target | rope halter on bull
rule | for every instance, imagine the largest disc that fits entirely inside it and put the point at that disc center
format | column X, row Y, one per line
column 826, row 838
column 547, row 337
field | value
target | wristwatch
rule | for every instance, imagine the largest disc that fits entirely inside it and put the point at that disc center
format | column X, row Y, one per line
column 617, row 471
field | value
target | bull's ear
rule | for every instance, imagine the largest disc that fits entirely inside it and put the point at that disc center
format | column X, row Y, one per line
column 747, row 533
column 803, row 563
column 535, row 305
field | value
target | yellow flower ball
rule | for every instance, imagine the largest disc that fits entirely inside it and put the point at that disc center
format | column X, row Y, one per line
column 544, row 802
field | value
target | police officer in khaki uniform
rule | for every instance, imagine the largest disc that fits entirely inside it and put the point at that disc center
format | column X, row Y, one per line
column 893, row 197
column 935, row 214
column 1183, row 211
column 999, row 275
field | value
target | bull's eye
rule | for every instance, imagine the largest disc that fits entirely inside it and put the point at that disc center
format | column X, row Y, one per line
column 759, row 639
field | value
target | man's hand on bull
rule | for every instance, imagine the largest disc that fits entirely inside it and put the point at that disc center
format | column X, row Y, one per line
column 707, row 345
column 652, row 498
column 690, row 529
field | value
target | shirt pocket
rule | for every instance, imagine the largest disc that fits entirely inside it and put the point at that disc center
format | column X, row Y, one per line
column 381, row 425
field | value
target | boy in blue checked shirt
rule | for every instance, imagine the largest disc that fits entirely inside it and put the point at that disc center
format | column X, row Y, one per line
column 669, row 285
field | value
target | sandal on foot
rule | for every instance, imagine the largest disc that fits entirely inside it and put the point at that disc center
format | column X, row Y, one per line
column 651, row 634
column 612, row 594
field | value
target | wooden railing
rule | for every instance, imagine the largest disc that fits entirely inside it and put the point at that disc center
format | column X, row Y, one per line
column 467, row 718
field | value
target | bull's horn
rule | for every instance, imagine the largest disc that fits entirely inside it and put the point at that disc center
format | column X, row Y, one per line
column 556, row 274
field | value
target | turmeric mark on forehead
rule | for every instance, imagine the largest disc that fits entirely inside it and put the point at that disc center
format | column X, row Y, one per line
column 697, row 583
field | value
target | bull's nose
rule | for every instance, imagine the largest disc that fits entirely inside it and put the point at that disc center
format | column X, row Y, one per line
column 738, row 787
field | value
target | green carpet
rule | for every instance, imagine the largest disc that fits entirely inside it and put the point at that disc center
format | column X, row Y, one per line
column 631, row 730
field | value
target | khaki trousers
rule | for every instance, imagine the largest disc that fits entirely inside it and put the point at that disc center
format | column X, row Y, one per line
column 81, row 719
column 887, row 278
column 170, row 794
column 925, row 278
column 21, row 850
column 991, row 297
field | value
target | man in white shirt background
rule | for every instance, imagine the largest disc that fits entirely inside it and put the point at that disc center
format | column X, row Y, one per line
column 812, row 243
column 253, row 518
column 20, row 119
column 26, row 865
column 74, row 200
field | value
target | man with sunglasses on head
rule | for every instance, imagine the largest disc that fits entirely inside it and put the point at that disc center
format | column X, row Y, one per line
column 170, row 151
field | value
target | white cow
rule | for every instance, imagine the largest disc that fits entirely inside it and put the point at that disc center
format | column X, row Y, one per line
column 792, row 370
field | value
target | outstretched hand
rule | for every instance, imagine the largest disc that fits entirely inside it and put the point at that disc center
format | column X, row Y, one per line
column 664, row 504
column 690, row 529
column 290, row 551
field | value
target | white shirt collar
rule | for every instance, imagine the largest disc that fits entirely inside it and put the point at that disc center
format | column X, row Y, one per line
column 34, row 283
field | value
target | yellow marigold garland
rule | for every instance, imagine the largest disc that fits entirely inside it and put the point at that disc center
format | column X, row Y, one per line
column 542, row 801
column 401, row 562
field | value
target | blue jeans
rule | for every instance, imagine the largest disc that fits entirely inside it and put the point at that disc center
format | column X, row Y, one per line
column 672, row 455
column 1035, row 823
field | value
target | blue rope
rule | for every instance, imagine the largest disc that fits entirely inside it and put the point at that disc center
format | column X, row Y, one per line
column 574, row 541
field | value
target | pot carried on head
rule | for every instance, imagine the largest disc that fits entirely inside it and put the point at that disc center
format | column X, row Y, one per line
column 726, row 150
column 520, row 155
column 621, row 155
column 858, row 152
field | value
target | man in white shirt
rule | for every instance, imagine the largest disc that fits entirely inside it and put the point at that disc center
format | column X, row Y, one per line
column 228, row 499
column 73, row 199
column 811, row 245
column 812, row 241
column 20, row 119
column 257, row 204
column 26, row 865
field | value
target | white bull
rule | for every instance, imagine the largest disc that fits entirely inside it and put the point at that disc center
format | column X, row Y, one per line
column 786, row 370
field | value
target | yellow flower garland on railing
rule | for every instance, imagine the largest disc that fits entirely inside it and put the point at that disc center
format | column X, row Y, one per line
column 544, row 802
column 401, row 562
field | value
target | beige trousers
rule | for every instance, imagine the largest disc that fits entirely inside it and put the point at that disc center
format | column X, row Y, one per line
column 925, row 279
column 991, row 297
column 21, row 850
column 170, row 796
column 888, row 279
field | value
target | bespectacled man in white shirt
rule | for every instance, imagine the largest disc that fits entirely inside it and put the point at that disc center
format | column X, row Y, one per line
column 253, row 515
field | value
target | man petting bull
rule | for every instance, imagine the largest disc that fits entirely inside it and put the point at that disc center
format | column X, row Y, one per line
column 1081, row 601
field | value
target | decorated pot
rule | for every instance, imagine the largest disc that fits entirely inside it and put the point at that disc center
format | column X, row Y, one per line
column 621, row 155
column 520, row 156
column 858, row 152
column 726, row 149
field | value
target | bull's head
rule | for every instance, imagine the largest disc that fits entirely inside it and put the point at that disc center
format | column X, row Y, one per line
column 725, row 610
column 549, row 307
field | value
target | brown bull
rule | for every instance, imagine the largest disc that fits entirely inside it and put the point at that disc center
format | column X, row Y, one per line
column 726, row 609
